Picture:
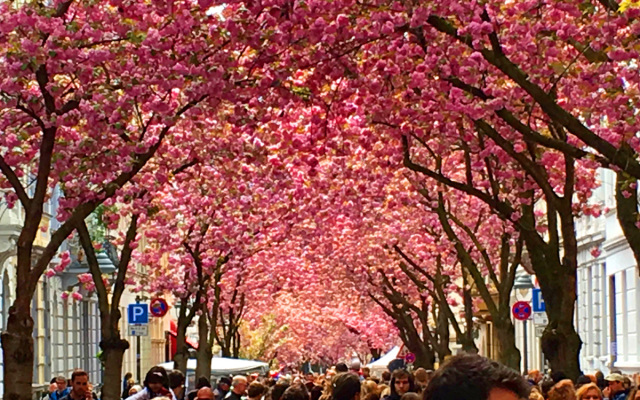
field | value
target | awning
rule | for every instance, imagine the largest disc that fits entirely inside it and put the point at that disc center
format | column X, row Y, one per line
column 221, row 366
column 173, row 331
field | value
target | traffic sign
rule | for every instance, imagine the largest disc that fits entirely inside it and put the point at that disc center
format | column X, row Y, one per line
column 402, row 352
column 410, row 358
column 138, row 313
column 537, row 301
column 540, row 319
column 521, row 310
column 539, row 331
column 159, row 307
column 138, row 330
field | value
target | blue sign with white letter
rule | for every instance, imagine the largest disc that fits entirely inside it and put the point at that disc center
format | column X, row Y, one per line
column 537, row 301
column 138, row 313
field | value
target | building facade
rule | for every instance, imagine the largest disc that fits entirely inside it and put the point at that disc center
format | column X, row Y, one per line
column 67, row 331
column 608, row 311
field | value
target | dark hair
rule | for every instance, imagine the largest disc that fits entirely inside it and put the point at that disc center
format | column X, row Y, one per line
column 78, row 372
column 402, row 373
column 176, row 379
column 278, row 389
column 582, row 380
column 316, row 392
column 341, row 367
column 600, row 381
column 345, row 386
column 386, row 376
column 128, row 376
column 295, row 392
column 256, row 389
column 203, row 381
column 558, row 376
column 472, row 377
column 545, row 386
column 397, row 363
column 157, row 375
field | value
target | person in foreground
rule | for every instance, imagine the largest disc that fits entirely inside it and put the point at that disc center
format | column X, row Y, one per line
column 472, row 377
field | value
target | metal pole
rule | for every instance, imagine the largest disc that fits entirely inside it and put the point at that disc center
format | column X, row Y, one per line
column 525, row 357
column 138, row 370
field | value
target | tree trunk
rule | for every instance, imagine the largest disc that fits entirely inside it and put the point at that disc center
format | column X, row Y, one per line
column 508, row 353
column 17, row 350
column 467, row 342
column 204, row 353
column 560, row 341
column 182, row 353
column 113, row 355
column 375, row 353
column 425, row 356
column 442, row 328
column 557, row 277
column 627, row 211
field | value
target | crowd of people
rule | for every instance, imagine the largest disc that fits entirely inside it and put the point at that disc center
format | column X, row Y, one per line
column 463, row 377
column 556, row 386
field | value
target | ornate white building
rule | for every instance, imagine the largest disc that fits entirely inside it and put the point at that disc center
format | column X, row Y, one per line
column 608, row 311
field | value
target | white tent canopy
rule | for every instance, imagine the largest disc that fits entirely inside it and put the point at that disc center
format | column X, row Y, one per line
column 380, row 365
column 221, row 366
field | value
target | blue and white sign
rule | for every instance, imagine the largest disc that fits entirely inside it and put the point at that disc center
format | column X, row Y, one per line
column 138, row 313
column 537, row 302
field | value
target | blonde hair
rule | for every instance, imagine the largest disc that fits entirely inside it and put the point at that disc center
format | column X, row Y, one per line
column 535, row 395
column 563, row 390
column 585, row 388
column 368, row 386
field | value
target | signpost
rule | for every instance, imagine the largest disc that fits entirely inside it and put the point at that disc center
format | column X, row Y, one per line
column 138, row 313
column 138, row 318
column 521, row 310
column 410, row 358
column 138, row 330
column 540, row 319
column 159, row 307
column 537, row 301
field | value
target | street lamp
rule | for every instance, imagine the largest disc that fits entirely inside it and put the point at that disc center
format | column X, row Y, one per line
column 522, row 284
column 77, row 267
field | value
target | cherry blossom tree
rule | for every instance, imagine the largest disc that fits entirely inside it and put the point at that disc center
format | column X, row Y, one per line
column 90, row 94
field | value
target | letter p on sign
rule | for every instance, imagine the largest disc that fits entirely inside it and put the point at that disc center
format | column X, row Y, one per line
column 138, row 313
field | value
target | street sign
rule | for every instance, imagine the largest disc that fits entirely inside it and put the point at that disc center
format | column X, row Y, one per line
column 540, row 319
column 402, row 352
column 410, row 358
column 539, row 331
column 537, row 301
column 138, row 330
column 138, row 313
column 158, row 307
column 521, row 310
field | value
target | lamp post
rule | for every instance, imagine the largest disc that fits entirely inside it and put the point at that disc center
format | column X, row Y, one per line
column 523, row 284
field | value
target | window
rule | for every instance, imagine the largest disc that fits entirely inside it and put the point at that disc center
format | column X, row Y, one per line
column 592, row 321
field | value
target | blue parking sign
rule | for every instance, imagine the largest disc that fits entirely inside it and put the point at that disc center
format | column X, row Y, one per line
column 138, row 313
column 537, row 302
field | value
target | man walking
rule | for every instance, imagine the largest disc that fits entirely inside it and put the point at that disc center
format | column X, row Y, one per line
column 62, row 389
column 239, row 387
column 79, row 386
column 615, row 389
